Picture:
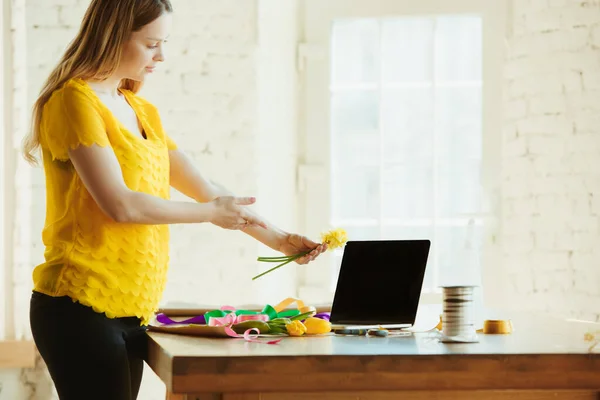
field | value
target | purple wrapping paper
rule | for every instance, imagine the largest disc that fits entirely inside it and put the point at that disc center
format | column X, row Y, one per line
column 325, row 315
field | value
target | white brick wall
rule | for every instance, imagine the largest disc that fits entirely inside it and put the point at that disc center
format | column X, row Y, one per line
column 551, row 157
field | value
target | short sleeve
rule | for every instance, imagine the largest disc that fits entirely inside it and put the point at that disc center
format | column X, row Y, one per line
column 171, row 145
column 72, row 118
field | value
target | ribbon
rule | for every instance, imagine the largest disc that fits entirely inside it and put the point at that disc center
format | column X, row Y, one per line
column 163, row 319
column 223, row 311
column 268, row 314
column 325, row 315
column 227, row 316
column 299, row 303
column 273, row 312
column 231, row 319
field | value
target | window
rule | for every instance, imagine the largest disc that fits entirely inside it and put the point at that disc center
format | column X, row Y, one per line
column 401, row 130
column 406, row 130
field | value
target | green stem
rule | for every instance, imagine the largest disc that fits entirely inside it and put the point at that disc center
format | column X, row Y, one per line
column 273, row 269
column 289, row 260
column 283, row 258
column 273, row 259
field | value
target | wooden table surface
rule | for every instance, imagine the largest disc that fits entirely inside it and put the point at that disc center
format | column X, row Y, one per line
column 542, row 358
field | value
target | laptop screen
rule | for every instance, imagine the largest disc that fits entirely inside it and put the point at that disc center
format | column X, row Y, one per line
column 380, row 282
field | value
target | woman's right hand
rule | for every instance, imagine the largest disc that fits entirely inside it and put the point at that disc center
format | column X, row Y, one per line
column 229, row 213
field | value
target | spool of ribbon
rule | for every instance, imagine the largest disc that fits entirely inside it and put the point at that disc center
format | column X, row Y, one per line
column 457, row 315
column 497, row 327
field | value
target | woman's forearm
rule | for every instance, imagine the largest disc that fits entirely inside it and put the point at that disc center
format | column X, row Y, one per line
column 141, row 208
column 187, row 179
column 272, row 236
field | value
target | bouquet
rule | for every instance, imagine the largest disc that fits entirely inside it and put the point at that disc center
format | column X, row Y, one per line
column 333, row 239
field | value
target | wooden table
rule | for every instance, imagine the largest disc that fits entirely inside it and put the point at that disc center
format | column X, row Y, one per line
column 540, row 360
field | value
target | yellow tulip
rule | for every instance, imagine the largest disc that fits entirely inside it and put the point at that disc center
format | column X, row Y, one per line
column 593, row 338
column 317, row 326
column 296, row 328
column 334, row 238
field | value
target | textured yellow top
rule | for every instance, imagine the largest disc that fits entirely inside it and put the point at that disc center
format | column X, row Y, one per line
column 116, row 268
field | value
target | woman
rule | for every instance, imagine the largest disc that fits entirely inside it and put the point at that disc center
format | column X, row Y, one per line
column 109, row 167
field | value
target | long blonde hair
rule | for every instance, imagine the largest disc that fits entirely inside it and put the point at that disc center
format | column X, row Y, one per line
column 95, row 52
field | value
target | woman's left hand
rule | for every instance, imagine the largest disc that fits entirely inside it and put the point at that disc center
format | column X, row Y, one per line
column 294, row 244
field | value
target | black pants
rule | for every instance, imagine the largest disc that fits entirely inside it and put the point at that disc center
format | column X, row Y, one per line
column 89, row 355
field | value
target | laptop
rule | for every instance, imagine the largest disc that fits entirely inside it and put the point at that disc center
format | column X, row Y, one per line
column 379, row 284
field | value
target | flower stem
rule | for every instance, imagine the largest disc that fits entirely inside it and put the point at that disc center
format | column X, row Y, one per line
column 273, row 259
column 287, row 259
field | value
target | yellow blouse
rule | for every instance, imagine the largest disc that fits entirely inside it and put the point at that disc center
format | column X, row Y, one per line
column 116, row 268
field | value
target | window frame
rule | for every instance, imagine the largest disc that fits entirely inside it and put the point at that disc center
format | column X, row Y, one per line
column 5, row 269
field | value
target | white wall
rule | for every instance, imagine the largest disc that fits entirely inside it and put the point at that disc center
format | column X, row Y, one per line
column 276, row 151
column 551, row 157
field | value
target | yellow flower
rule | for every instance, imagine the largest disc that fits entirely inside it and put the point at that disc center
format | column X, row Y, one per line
column 317, row 326
column 589, row 337
column 296, row 328
column 334, row 238
column 592, row 337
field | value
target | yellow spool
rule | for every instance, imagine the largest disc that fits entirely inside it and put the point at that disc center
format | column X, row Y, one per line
column 497, row 326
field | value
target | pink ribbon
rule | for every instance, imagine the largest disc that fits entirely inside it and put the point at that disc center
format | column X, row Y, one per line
column 230, row 319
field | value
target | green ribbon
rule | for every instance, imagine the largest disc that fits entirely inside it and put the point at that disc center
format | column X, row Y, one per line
column 268, row 310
